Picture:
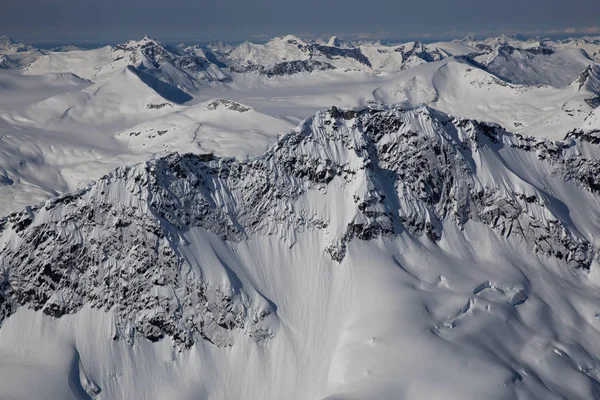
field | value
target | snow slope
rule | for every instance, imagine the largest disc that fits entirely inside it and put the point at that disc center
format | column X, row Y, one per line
column 372, row 57
column 369, row 254
column 591, row 45
column 219, row 126
column 404, row 245
column 459, row 87
column 538, row 66
column 14, row 55
column 77, row 112
column 58, row 131
column 166, row 63
column 286, row 48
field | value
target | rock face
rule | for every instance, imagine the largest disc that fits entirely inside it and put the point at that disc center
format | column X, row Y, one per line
column 105, row 247
column 417, row 53
column 6, row 62
column 335, row 52
column 8, row 44
column 117, row 245
column 169, row 64
column 284, row 68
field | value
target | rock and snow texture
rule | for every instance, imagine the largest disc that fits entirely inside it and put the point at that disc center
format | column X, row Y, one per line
column 6, row 62
column 219, row 126
column 537, row 66
column 95, row 250
column 14, row 55
column 462, row 87
column 402, row 245
column 70, row 117
column 297, row 264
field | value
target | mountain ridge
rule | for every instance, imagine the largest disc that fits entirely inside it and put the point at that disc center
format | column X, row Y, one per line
column 400, row 170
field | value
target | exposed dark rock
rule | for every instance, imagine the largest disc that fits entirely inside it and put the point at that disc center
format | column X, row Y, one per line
column 285, row 68
column 415, row 169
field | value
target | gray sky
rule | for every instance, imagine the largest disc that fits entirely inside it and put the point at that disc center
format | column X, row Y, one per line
column 112, row 21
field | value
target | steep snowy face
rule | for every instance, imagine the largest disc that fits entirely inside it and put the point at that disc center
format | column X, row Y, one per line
column 371, row 57
column 335, row 41
column 289, row 55
column 280, row 49
column 106, row 247
column 589, row 80
column 494, row 42
column 589, row 130
column 6, row 62
column 167, row 62
column 14, row 55
column 7, row 44
column 147, row 53
column 591, row 45
column 120, row 244
column 417, row 53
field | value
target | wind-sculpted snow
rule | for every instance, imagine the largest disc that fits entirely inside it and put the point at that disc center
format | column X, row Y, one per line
column 356, row 175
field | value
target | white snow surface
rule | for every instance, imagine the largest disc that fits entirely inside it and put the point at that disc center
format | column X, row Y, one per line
column 476, row 313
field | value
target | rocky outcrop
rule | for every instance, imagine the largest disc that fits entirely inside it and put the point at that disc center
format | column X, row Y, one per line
column 331, row 52
column 284, row 68
column 92, row 248
column 116, row 245
column 168, row 63
column 7, row 63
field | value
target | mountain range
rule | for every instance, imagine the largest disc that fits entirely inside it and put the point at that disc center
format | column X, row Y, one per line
column 301, row 219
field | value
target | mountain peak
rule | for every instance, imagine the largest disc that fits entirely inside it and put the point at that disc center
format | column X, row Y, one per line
column 589, row 79
column 9, row 44
column 335, row 41
column 290, row 39
column 143, row 42
column 6, row 62
column 469, row 38
column 6, row 40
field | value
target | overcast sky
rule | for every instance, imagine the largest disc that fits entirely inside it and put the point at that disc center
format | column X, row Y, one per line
column 112, row 21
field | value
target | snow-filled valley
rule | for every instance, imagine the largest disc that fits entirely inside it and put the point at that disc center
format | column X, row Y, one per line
column 301, row 220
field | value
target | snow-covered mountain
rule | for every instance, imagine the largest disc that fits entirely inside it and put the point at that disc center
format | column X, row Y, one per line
column 190, row 67
column 434, row 235
column 537, row 66
column 591, row 45
column 205, row 62
column 463, row 87
column 589, row 129
column 366, row 57
column 9, row 45
column 357, row 232
column 14, row 55
column 166, row 63
column 94, row 99
column 6, row 62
